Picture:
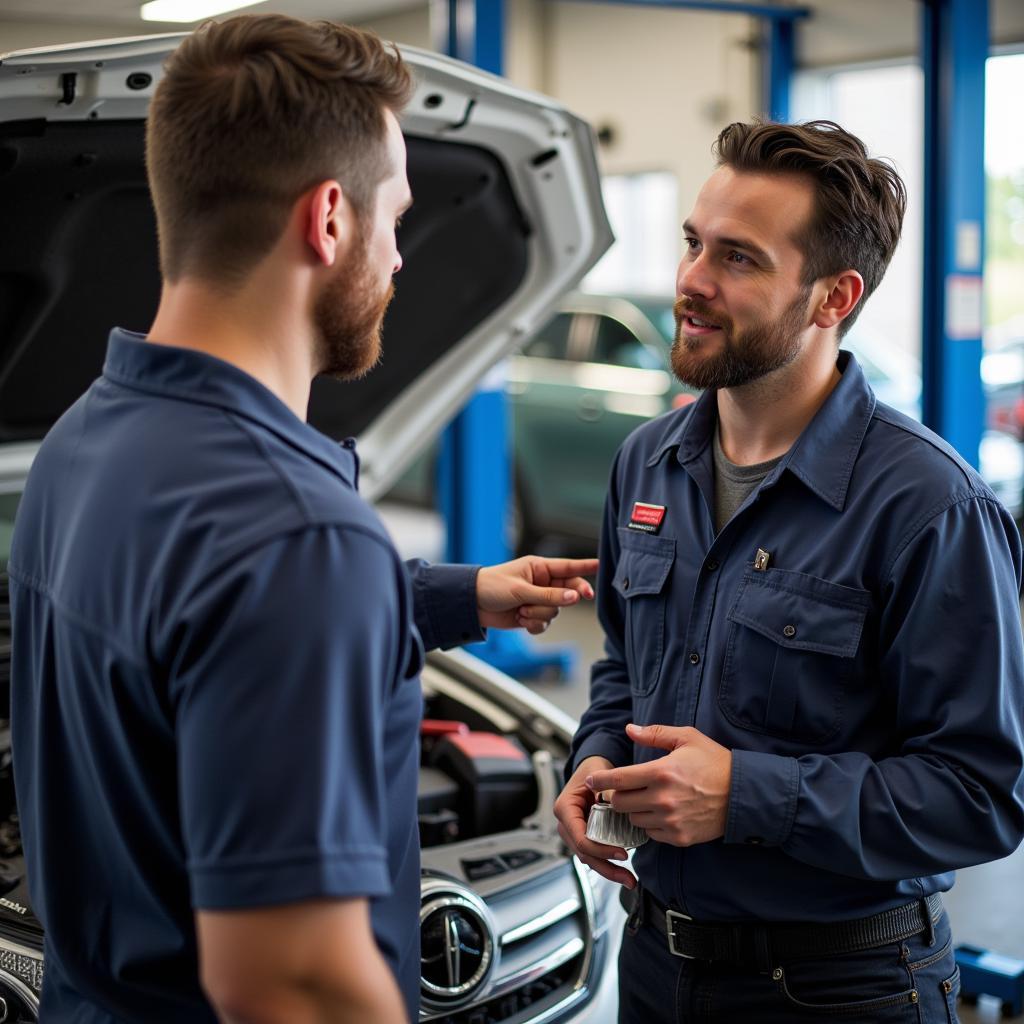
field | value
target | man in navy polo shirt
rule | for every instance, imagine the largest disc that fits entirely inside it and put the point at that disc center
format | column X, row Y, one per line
column 216, row 648
column 813, row 692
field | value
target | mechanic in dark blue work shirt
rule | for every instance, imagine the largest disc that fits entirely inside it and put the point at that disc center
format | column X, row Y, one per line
column 216, row 648
column 813, row 689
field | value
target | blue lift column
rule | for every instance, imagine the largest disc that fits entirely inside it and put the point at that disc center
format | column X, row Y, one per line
column 475, row 476
column 779, row 58
column 954, row 48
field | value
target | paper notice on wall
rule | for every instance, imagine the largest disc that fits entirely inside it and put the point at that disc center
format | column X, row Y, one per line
column 963, row 306
column 968, row 245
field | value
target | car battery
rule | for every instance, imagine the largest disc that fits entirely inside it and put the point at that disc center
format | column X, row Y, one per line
column 496, row 780
column 437, row 798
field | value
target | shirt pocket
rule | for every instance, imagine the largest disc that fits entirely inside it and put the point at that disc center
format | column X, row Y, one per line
column 790, row 654
column 645, row 563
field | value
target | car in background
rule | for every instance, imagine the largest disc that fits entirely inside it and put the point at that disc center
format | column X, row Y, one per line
column 508, row 217
column 601, row 366
column 593, row 373
column 1002, row 374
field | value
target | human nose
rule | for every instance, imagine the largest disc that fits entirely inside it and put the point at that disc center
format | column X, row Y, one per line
column 397, row 265
column 694, row 277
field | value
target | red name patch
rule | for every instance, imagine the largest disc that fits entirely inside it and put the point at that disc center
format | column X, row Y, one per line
column 647, row 518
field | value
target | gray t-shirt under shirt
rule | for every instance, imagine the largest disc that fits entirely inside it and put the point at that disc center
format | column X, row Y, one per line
column 734, row 484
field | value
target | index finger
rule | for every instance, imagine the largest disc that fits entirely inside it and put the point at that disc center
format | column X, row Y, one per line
column 562, row 567
column 636, row 776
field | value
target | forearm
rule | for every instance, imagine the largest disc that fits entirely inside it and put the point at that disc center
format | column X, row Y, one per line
column 602, row 728
column 346, row 995
column 901, row 817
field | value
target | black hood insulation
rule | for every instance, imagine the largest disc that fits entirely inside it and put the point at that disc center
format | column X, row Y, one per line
column 78, row 256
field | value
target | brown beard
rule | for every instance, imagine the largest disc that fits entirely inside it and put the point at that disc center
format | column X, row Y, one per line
column 746, row 355
column 348, row 316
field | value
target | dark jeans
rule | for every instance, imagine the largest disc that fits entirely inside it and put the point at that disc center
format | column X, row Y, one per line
column 908, row 982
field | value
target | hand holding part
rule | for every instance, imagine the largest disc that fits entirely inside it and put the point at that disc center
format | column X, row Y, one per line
column 681, row 798
column 608, row 826
column 571, row 809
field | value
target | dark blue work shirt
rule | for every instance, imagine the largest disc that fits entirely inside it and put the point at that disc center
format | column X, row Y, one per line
column 215, row 692
column 867, row 672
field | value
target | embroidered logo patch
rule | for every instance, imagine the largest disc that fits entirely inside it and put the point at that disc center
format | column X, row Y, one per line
column 646, row 518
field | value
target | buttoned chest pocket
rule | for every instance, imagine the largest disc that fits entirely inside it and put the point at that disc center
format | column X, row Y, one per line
column 790, row 654
column 645, row 563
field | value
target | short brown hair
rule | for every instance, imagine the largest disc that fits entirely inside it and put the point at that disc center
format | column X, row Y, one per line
column 859, row 202
column 252, row 112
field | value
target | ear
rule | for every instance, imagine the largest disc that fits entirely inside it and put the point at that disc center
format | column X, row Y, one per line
column 844, row 292
column 328, row 217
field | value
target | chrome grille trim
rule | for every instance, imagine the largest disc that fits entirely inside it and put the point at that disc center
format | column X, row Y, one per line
column 537, row 924
column 537, row 969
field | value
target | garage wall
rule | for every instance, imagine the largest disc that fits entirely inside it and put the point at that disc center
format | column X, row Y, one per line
column 840, row 32
column 411, row 27
column 21, row 35
column 659, row 83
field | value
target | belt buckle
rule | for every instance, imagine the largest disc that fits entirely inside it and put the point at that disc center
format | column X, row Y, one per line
column 670, row 915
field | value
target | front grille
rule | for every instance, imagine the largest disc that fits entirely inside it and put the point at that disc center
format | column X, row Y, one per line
column 525, row 1002
column 543, row 951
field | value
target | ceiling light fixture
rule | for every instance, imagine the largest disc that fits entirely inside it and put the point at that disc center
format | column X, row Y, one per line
column 190, row 10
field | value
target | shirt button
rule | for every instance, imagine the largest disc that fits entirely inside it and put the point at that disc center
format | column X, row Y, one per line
column 694, row 658
column 789, row 631
column 711, row 565
column 625, row 583
column 754, row 840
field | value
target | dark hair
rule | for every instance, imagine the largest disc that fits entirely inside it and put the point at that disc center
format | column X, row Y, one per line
column 859, row 202
column 252, row 112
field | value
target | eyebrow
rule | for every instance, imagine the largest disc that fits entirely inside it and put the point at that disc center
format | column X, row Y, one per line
column 734, row 243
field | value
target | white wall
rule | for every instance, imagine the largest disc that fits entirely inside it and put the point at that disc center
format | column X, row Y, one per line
column 411, row 27
column 841, row 32
column 16, row 34
column 663, row 81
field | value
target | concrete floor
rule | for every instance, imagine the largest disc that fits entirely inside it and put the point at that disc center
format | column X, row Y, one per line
column 986, row 906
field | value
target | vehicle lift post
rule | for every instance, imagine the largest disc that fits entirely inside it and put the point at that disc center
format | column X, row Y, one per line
column 475, row 469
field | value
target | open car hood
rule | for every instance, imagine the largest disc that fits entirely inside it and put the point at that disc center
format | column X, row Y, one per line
column 507, row 217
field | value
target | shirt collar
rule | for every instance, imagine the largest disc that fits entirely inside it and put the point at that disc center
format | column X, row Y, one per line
column 197, row 377
column 822, row 457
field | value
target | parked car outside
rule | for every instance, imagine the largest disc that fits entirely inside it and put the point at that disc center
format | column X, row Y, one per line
column 508, row 217
column 1002, row 373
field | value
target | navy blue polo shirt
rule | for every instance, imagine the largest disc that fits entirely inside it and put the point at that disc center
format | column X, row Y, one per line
column 215, row 692
column 865, row 669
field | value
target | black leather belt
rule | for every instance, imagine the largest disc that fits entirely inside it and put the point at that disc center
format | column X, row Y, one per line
column 764, row 946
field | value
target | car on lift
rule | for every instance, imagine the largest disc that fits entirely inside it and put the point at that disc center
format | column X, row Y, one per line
column 508, row 217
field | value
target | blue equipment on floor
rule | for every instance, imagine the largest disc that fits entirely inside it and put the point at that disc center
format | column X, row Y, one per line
column 992, row 974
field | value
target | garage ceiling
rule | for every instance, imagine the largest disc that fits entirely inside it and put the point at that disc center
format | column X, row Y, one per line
column 126, row 12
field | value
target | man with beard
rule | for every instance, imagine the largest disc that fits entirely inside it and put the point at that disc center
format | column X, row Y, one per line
column 216, row 648
column 813, row 686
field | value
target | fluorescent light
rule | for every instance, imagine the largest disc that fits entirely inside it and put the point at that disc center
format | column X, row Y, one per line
column 190, row 10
